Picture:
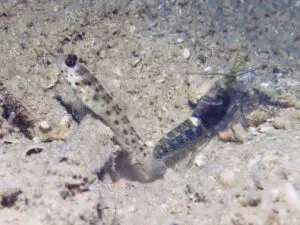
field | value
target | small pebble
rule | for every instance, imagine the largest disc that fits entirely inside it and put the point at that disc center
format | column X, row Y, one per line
column 253, row 131
column 186, row 53
column 44, row 126
column 164, row 108
column 180, row 40
column 200, row 160
column 227, row 177
column 102, row 54
column 56, row 8
column 279, row 123
column 132, row 209
column 164, row 206
column 150, row 143
column 265, row 128
column 208, row 69
column 162, row 81
column 226, row 136
column 65, row 122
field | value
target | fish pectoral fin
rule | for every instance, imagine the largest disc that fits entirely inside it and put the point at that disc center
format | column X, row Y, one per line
column 76, row 109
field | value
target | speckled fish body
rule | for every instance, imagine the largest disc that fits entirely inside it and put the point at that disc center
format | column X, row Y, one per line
column 94, row 96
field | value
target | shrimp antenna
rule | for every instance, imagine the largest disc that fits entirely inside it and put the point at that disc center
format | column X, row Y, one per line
column 232, row 73
column 42, row 44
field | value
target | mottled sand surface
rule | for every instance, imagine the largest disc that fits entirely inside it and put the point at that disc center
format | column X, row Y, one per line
column 150, row 56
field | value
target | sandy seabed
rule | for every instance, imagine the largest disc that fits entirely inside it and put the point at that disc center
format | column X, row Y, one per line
column 146, row 53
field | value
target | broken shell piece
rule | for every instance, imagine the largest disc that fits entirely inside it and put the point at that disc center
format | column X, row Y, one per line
column 265, row 128
column 55, row 132
column 33, row 151
column 226, row 136
column 288, row 100
column 237, row 133
column 186, row 53
column 258, row 117
column 50, row 77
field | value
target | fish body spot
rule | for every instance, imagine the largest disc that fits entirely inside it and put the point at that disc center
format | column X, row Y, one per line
column 117, row 109
column 107, row 98
column 99, row 88
column 125, row 120
column 95, row 97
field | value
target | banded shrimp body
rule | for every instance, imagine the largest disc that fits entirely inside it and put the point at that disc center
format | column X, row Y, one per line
column 228, row 101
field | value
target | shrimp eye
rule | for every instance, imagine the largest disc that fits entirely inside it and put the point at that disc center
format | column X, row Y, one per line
column 71, row 60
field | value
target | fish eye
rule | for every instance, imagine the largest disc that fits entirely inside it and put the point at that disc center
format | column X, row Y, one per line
column 71, row 60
